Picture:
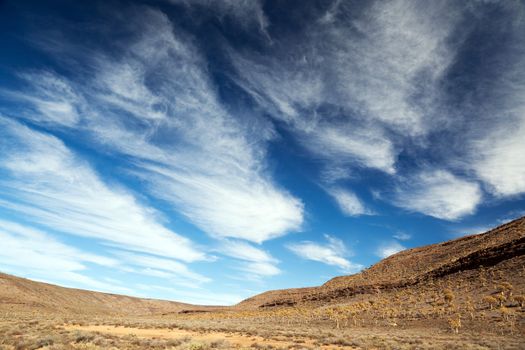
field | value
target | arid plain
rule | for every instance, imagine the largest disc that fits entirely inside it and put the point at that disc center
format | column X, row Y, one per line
column 467, row 293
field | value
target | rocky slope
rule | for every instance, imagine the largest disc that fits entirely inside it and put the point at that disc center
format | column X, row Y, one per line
column 411, row 267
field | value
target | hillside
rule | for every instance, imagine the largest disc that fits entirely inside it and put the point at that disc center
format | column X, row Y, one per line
column 22, row 294
column 504, row 244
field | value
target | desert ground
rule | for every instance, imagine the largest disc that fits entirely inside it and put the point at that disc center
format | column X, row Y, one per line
column 467, row 293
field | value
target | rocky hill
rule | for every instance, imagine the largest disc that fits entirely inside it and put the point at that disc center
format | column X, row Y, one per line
column 502, row 247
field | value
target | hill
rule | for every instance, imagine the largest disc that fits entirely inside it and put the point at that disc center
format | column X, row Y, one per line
column 22, row 294
column 503, row 245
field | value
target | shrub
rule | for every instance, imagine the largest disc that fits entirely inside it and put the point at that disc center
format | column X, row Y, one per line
column 46, row 341
column 83, row 337
column 449, row 296
column 501, row 298
column 455, row 323
column 505, row 313
column 490, row 300
column 520, row 299
column 196, row 346
column 505, row 287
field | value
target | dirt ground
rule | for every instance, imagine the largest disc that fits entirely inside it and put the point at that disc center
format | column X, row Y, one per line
column 233, row 339
column 68, row 332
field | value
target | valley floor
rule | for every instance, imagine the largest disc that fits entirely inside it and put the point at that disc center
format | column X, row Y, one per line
column 38, row 331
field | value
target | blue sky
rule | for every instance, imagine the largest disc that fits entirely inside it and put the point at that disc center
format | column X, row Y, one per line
column 205, row 151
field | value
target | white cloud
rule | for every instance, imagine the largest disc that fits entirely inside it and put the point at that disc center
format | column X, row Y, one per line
column 244, row 251
column 346, row 145
column 332, row 253
column 400, row 50
column 156, row 104
column 228, row 206
column 392, row 248
column 42, row 251
column 440, row 194
column 498, row 157
column 348, row 202
column 257, row 270
column 246, row 12
column 256, row 263
column 160, row 267
column 52, row 98
column 346, row 85
column 33, row 253
column 293, row 96
column 203, row 297
column 402, row 236
column 48, row 184
column 495, row 130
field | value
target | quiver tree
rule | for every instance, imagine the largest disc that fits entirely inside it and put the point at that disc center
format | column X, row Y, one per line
column 490, row 300
column 505, row 313
column 501, row 298
column 505, row 288
column 455, row 323
column 520, row 299
column 470, row 307
column 449, row 296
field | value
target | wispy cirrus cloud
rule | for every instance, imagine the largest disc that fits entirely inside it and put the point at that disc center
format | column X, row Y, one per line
column 249, row 13
column 358, row 85
column 255, row 262
column 387, row 249
column 402, row 236
column 163, row 268
column 46, row 258
column 48, row 184
column 47, row 100
column 334, row 253
column 349, row 203
column 496, row 142
column 156, row 104
column 438, row 193
column 360, row 70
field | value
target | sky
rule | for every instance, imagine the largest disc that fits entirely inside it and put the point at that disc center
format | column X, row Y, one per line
column 207, row 150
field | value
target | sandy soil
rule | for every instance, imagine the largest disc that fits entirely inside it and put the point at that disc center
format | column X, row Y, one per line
column 235, row 339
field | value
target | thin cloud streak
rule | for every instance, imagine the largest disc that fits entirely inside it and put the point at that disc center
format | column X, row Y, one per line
column 157, row 266
column 50, row 185
column 46, row 258
column 438, row 193
column 333, row 253
column 388, row 249
column 349, row 203
column 255, row 262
